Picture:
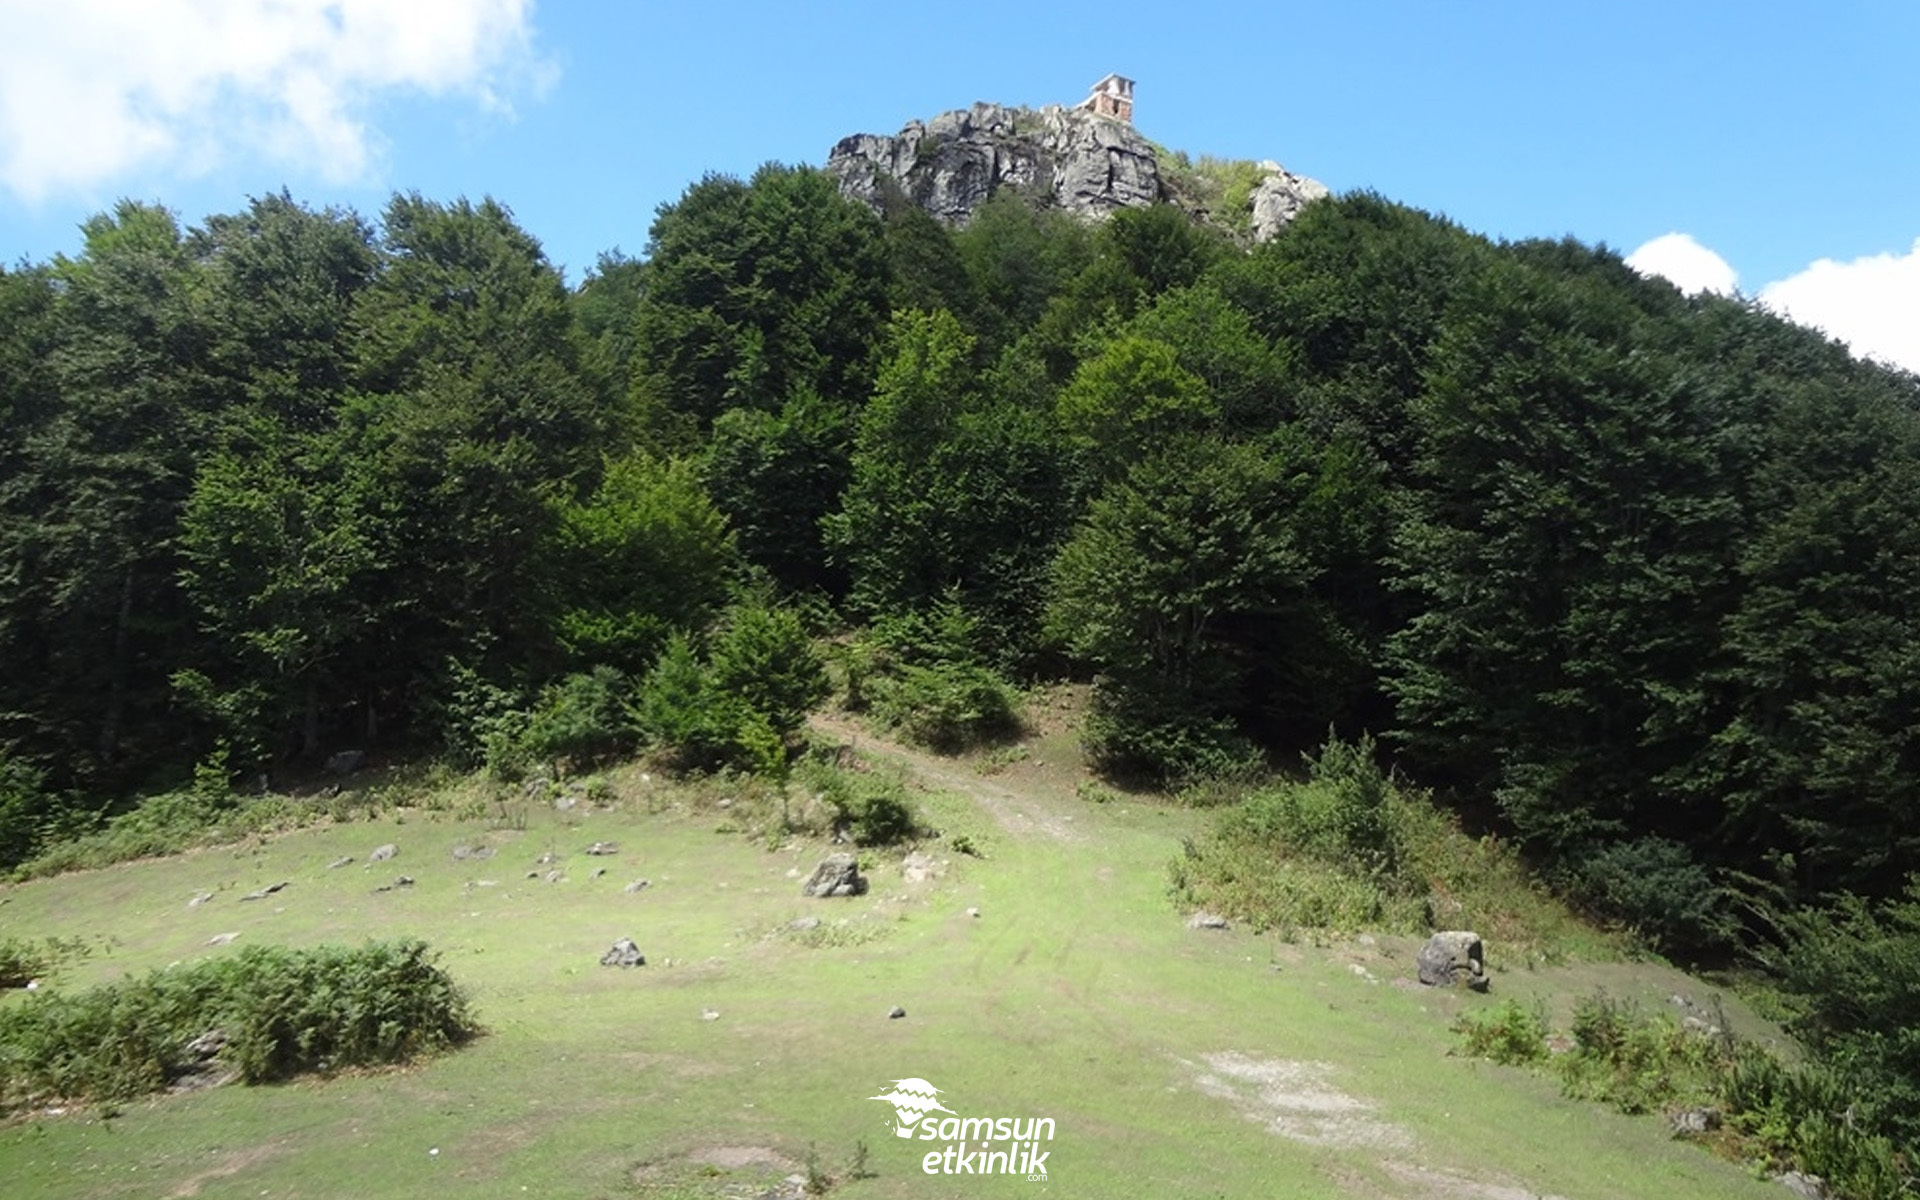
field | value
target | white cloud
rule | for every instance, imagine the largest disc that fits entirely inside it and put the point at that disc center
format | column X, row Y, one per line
column 1685, row 263
column 1869, row 303
column 93, row 90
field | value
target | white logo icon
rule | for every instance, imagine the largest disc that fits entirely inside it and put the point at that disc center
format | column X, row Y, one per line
column 912, row 1099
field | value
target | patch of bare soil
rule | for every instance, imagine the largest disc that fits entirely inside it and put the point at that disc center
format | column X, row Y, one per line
column 729, row 1172
column 732, row 1158
column 1298, row 1101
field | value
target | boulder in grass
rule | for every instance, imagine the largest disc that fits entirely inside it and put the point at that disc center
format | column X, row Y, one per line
column 623, row 954
column 1452, row 958
column 837, row 875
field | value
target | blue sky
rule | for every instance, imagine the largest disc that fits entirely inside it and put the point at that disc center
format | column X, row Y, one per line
column 1781, row 141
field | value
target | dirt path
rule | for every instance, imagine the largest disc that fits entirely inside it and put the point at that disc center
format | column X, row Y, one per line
column 1018, row 813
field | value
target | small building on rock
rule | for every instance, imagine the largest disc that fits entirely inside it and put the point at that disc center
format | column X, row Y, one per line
column 1111, row 97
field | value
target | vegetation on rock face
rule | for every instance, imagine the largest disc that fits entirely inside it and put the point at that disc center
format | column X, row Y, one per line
column 1629, row 580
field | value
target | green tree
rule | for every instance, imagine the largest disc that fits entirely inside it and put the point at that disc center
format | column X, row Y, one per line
column 950, row 489
column 95, row 506
column 777, row 476
column 644, row 555
column 758, row 290
column 473, row 410
column 1193, row 584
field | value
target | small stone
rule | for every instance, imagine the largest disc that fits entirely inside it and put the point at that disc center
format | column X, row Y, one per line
column 533, row 874
column 802, row 924
column 264, row 892
column 974, row 913
column 383, row 853
column 598, row 872
column 199, row 898
column 1207, row 920
column 638, row 885
column 604, row 848
column 544, row 859
column 1801, row 1184
column 221, row 939
column 1694, row 1121
column 342, row 861
column 709, row 1014
column 896, row 1013
column 555, row 876
column 623, row 954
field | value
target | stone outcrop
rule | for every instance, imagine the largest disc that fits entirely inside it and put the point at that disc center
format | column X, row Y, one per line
column 837, row 875
column 1064, row 158
column 1454, row 957
column 1279, row 197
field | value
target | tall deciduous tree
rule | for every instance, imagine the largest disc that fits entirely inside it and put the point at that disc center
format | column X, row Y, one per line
column 757, row 290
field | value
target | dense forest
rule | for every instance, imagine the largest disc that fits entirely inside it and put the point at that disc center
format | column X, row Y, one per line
column 1630, row 577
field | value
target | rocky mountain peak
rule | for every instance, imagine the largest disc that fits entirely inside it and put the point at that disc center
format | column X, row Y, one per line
column 1086, row 163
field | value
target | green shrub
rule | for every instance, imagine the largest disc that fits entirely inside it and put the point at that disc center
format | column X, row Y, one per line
column 284, row 1012
column 23, row 960
column 874, row 809
column 739, row 706
column 922, row 673
column 1637, row 1062
column 25, row 808
column 1853, row 972
column 1804, row 1117
column 1126, row 736
column 1657, row 887
column 481, row 723
column 948, row 706
column 1350, row 848
column 582, row 719
column 1506, row 1033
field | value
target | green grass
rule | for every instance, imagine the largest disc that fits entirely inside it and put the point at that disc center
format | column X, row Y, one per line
column 1077, row 993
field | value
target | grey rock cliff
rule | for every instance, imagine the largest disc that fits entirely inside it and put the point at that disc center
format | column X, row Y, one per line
column 1067, row 158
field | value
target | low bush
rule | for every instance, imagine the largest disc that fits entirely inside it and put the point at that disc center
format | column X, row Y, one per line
column 282, row 1013
column 1807, row 1116
column 872, row 808
column 581, row 720
column 1637, row 1062
column 737, row 706
column 1349, row 847
column 1506, row 1033
column 25, row 960
column 922, row 674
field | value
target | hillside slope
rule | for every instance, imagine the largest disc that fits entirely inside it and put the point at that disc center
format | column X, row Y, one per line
column 1181, row 1062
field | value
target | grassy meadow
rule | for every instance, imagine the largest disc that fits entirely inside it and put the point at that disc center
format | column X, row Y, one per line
column 1174, row 1062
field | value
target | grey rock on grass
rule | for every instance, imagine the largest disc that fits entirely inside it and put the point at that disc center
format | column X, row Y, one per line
column 1453, row 957
column 837, row 875
column 623, row 954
